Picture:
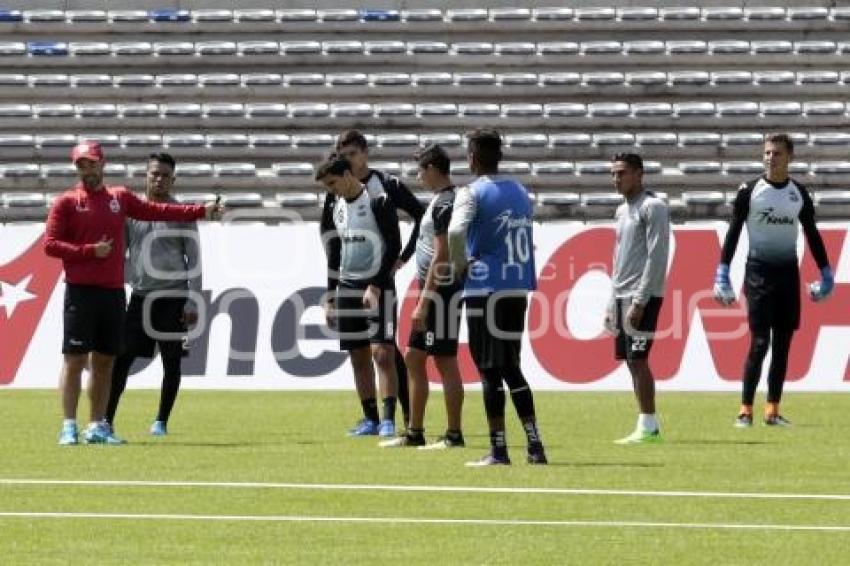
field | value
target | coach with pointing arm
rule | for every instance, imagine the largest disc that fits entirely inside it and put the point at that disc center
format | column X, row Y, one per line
column 85, row 229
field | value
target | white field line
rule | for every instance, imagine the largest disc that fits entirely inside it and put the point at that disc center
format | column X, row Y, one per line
column 426, row 488
column 424, row 521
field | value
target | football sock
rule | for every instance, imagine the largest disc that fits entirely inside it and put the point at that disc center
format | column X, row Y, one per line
column 403, row 393
column 170, row 386
column 454, row 434
column 389, row 408
column 120, row 371
column 494, row 394
column 521, row 395
column 532, row 435
column 370, row 409
column 416, row 434
column 647, row 422
column 498, row 444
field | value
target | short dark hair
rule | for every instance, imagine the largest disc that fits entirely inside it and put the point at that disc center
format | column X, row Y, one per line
column 163, row 157
column 633, row 160
column 334, row 164
column 485, row 144
column 782, row 138
column 434, row 154
column 351, row 137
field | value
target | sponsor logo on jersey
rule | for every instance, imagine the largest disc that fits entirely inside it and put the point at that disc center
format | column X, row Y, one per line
column 506, row 220
column 767, row 216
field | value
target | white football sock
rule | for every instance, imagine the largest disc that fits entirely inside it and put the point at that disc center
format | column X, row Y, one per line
column 647, row 422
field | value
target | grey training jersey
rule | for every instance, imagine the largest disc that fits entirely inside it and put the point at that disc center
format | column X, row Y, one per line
column 643, row 244
column 163, row 256
column 362, row 244
column 435, row 222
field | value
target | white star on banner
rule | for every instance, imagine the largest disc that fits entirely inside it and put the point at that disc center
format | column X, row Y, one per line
column 12, row 295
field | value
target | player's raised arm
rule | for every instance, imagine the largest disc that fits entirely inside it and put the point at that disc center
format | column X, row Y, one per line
column 149, row 210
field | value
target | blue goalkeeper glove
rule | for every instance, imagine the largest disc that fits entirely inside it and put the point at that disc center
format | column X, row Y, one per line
column 723, row 292
column 820, row 290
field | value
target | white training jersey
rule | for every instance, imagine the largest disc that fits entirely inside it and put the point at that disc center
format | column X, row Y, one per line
column 362, row 245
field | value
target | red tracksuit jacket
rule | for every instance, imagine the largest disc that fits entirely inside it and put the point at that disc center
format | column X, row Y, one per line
column 79, row 218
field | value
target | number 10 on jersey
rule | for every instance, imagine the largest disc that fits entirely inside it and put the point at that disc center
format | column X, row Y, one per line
column 518, row 244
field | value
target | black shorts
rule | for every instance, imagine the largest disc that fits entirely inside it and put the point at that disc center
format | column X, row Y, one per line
column 773, row 295
column 358, row 326
column 93, row 320
column 165, row 314
column 496, row 323
column 443, row 324
column 635, row 344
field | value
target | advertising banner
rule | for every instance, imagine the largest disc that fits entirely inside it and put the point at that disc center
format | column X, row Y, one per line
column 263, row 327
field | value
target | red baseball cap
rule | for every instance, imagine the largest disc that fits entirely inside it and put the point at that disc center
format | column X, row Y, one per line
column 87, row 150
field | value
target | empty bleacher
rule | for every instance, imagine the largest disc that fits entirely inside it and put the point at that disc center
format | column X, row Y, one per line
column 249, row 97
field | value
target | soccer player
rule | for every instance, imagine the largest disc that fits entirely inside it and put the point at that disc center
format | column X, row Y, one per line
column 361, row 256
column 85, row 229
column 164, row 270
column 491, row 241
column 353, row 146
column 772, row 207
column 640, row 270
column 436, row 318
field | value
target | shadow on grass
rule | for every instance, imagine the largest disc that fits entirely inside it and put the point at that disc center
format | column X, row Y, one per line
column 606, row 464
column 719, row 442
column 201, row 444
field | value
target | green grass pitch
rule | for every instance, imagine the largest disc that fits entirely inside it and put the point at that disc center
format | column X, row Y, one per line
column 296, row 441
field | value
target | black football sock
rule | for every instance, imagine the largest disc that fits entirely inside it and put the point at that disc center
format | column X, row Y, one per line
column 521, row 395
column 403, row 392
column 494, row 393
column 389, row 408
column 498, row 444
column 370, row 409
column 170, row 386
column 120, row 371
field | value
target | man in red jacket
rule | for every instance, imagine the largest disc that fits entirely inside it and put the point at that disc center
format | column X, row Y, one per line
column 85, row 229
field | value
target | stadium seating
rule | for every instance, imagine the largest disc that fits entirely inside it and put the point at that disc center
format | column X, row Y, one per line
column 596, row 15
column 249, row 97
